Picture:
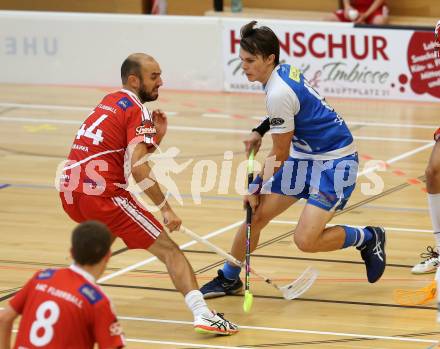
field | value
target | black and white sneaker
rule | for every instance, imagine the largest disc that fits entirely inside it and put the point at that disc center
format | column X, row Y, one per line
column 430, row 263
column 373, row 254
column 214, row 323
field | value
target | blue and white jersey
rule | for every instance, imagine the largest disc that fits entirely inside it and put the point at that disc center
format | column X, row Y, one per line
column 292, row 104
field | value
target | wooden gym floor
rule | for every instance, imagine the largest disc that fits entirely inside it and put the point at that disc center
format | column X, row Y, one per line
column 341, row 310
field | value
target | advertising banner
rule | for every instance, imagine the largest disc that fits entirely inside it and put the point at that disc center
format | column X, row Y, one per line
column 340, row 60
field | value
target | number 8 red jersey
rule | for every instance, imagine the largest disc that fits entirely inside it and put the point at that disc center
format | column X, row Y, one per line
column 95, row 164
column 63, row 308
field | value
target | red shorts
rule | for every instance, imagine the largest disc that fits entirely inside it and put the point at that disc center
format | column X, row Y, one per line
column 381, row 11
column 437, row 135
column 123, row 215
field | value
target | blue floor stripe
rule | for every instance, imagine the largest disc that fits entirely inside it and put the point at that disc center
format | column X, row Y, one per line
column 3, row 186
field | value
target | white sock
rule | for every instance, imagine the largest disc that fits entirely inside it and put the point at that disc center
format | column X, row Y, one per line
column 195, row 302
column 434, row 210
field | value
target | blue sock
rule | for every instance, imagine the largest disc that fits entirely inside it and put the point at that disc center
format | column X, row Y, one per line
column 356, row 236
column 231, row 272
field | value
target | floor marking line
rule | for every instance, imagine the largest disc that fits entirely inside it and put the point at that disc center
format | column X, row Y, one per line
column 183, row 344
column 205, row 129
column 216, row 115
column 397, row 158
column 153, row 259
column 409, row 230
column 222, row 115
column 288, row 330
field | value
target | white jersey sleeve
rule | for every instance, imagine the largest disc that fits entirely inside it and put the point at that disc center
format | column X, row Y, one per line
column 282, row 105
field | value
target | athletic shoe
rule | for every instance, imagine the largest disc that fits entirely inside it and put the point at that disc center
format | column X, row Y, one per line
column 373, row 254
column 220, row 286
column 430, row 264
column 214, row 323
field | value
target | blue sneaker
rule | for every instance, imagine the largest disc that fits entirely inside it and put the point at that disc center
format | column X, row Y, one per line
column 373, row 254
column 220, row 286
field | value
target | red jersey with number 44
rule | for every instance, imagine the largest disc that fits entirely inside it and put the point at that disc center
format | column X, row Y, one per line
column 95, row 164
column 437, row 40
column 63, row 308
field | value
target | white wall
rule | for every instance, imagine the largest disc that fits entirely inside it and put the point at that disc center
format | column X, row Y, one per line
column 88, row 49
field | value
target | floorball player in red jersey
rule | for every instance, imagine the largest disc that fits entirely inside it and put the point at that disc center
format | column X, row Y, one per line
column 431, row 257
column 118, row 135
column 64, row 308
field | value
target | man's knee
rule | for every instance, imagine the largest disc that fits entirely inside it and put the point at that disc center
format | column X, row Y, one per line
column 304, row 241
column 164, row 248
column 432, row 172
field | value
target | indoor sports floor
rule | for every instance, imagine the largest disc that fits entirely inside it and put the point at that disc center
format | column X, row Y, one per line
column 341, row 310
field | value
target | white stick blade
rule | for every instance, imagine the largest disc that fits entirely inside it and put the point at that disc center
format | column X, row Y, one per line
column 300, row 285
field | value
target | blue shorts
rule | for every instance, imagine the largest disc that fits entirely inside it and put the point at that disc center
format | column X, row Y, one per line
column 327, row 184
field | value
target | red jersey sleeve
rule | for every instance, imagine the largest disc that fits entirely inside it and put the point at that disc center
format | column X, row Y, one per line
column 140, row 127
column 19, row 300
column 108, row 331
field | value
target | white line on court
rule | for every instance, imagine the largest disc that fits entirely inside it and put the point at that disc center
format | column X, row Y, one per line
column 397, row 158
column 392, row 139
column 58, row 107
column 183, row 344
column 200, row 129
column 197, row 345
column 216, row 115
column 152, row 259
column 180, row 344
column 288, row 330
column 406, row 230
column 208, row 115
column 268, row 329
column 384, row 124
column 377, row 124
column 207, row 129
column 359, row 123
column 259, row 328
column 44, row 106
column 39, row 121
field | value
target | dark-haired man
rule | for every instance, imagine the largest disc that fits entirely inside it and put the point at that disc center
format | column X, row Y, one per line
column 64, row 308
column 321, row 168
column 121, row 131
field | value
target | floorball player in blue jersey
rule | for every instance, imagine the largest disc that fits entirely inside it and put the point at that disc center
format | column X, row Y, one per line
column 321, row 168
